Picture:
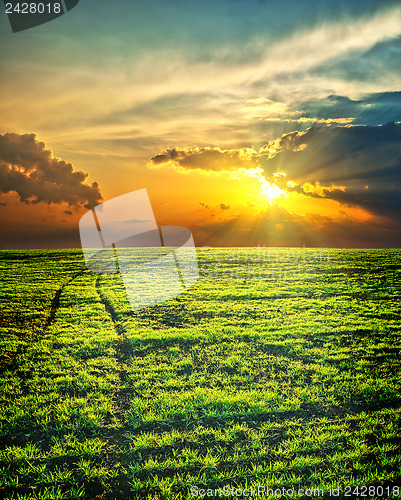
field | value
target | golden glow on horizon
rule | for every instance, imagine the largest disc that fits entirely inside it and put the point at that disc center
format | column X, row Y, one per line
column 214, row 197
column 325, row 207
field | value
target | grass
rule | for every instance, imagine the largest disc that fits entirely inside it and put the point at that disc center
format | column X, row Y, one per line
column 280, row 367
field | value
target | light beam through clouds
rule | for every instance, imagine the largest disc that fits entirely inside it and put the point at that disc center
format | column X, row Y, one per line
column 211, row 101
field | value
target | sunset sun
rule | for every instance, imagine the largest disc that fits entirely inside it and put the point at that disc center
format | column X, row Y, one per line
column 271, row 191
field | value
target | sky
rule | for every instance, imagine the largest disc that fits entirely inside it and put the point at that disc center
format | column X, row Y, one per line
column 250, row 122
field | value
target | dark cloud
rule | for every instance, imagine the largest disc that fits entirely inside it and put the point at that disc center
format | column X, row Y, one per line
column 68, row 212
column 301, row 190
column 205, row 159
column 352, row 157
column 349, row 198
column 31, row 170
column 224, row 207
column 372, row 109
column 170, row 154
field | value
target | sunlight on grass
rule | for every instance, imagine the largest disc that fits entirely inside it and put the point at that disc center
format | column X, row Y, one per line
column 289, row 379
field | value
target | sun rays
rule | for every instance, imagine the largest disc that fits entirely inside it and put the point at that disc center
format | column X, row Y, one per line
column 265, row 191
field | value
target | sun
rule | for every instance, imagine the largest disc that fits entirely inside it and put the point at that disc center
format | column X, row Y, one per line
column 261, row 190
column 271, row 191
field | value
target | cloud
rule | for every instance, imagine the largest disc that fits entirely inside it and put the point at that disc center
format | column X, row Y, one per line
column 368, row 66
column 30, row 170
column 364, row 160
column 349, row 198
column 356, row 166
column 208, row 159
column 372, row 109
column 203, row 90
column 224, row 207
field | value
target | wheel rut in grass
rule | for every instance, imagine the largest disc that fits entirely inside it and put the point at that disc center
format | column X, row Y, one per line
column 114, row 436
column 12, row 363
column 55, row 303
column 123, row 352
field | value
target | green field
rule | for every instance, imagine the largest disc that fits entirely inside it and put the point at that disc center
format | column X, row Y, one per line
column 280, row 368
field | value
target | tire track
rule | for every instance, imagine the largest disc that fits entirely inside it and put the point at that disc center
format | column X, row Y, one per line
column 124, row 351
column 115, row 437
column 55, row 303
column 12, row 363
column 112, row 436
column 108, row 305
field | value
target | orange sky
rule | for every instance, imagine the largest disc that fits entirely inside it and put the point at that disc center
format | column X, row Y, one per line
column 249, row 126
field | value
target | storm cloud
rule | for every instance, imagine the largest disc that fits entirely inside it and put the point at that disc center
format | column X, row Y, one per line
column 30, row 170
